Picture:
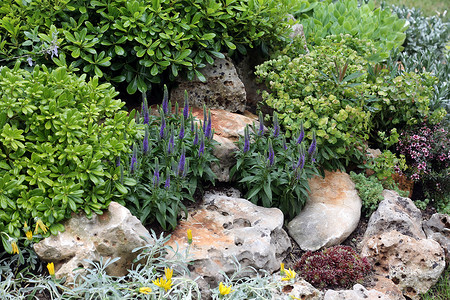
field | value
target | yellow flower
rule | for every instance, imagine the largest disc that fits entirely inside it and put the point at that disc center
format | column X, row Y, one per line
column 29, row 235
column 189, row 236
column 145, row 290
column 224, row 290
column 290, row 274
column 15, row 249
column 163, row 283
column 169, row 273
column 282, row 269
column 41, row 225
column 51, row 269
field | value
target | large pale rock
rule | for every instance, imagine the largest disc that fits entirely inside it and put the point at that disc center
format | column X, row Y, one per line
column 395, row 213
column 227, row 229
column 358, row 292
column 330, row 215
column 300, row 289
column 387, row 287
column 223, row 89
column 227, row 129
column 438, row 228
column 114, row 234
column 414, row 265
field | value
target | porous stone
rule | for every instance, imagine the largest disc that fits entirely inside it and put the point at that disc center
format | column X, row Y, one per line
column 330, row 215
column 395, row 213
column 222, row 90
column 227, row 229
column 358, row 292
column 387, row 287
column 114, row 234
column 438, row 228
column 300, row 289
column 414, row 265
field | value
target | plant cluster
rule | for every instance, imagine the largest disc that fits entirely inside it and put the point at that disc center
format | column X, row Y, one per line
column 273, row 172
column 338, row 266
column 59, row 138
column 426, row 148
column 361, row 21
column 139, row 42
column 171, row 161
column 334, row 92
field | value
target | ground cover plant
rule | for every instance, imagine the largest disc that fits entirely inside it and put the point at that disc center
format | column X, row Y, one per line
column 273, row 172
column 60, row 136
column 170, row 162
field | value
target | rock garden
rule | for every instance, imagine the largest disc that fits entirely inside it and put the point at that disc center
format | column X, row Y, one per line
column 224, row 149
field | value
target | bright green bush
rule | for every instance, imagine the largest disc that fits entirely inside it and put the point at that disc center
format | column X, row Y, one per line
column 139, row 42
column 59, row 139
column 361, row 21
column 334, row 93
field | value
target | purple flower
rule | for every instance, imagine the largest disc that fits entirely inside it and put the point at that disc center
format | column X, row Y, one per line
column 246, row 140
column 167, row 184
column 284, row 143
column 208, row 126
column 192, row 123
column 133, row 160
column 301, row 161
column 163, row 127
column 276, row 126
column 271, row 154
column 165, row 104
column 301, row 135
column 186, row 105
column 201, row 150
column 312, row 147
column 261, row 124
column 145, row 109
column 145, row 142
column 182, row 161
column 181, row 135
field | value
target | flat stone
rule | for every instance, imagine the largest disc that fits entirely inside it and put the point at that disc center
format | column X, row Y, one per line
column 358, row 292
column 331, row 213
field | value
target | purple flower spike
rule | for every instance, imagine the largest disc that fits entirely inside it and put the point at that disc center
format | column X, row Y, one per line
column 271, row 154
column 186, row 105
column 182, row 161
column 301, row 135
column 145, row 109
column 312, row 147
column 205, row 118
column 284, row 143
column 181, row 135
column 165, row 104
column 208, row 126
column 276, row 126
column 133, row 160
column 246, row 140
column 261, row 124
column 201, row 150
column 145, row 142
column 163, row 127
column 167, row 184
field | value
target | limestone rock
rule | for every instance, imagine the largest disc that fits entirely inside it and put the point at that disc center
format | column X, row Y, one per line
column 387, row 287
column 114, row 234
column 395, row 213
column 330, row 215
column 413, row 265
column 300, row 289
column 223, row 89
column 226, row 229
column 438, row 229
column 358, row 292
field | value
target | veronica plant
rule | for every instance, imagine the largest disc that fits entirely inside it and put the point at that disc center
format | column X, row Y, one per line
column 272, row 171
column 171, row 161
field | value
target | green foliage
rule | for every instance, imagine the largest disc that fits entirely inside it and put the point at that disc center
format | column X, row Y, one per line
column 172, row 161
column 139, row 42
column 338, row 266
column 362, row 21
column 59, row 136
column 386, row 165
column 272, row 172
column 336, row 95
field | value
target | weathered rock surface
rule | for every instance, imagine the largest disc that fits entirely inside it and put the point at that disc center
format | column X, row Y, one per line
column 114, row 234
column 300, row 289
column 438, row 228
column 358, row 292
column 414, row 265
column 330, row 215
column 225, row 229
column 395, row 213
column 222, row 90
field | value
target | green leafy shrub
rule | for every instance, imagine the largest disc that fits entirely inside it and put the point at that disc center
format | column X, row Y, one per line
column 338, row 97
column 59, row 138
column 139, row 42
column 338, row 266
column 273, row 172
column 362, row 21
column 171, row 161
